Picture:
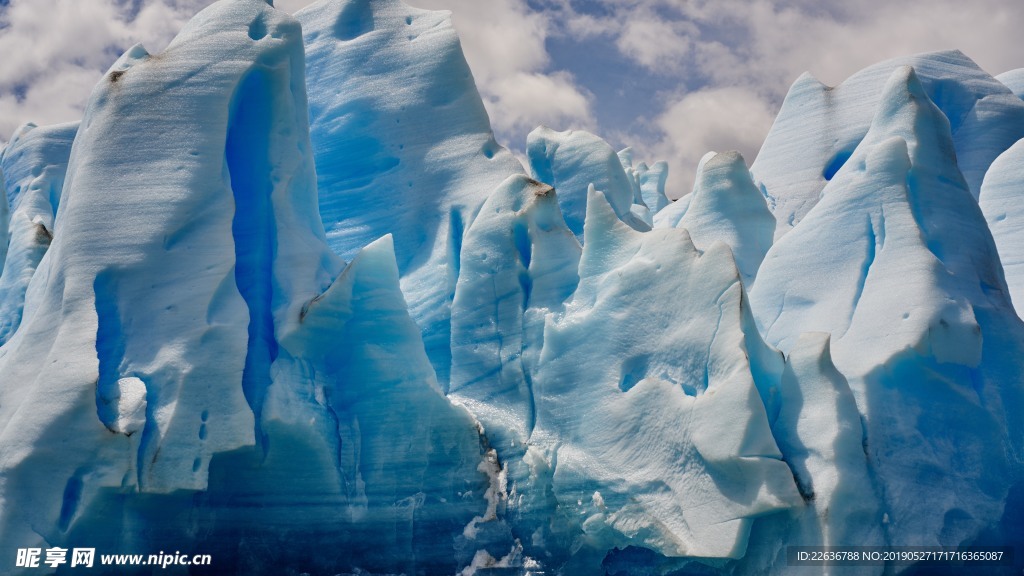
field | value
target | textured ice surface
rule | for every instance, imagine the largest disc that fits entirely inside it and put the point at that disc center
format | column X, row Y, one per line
column 895, row 262
column 174, row 351
column 725, row 206
column 1002, row 201
column 397, row 470
column 1014, row 80
column 33, row 164
column 648, row 185
column 519, row 262
column 512, row 375
column 402, row 144
column 670, row 215
column 819, row 127
column 574, row 161
column 821, row 436
column 677, row 376
column 140, row 280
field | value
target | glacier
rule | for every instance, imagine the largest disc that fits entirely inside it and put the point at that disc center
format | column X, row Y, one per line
column 281, row 298
column 393, row 110
column 33, row 165
column 819, row 127
column 915, row 299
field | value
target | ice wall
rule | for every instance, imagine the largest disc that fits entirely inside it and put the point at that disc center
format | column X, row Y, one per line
column 33, row 164
column 819, row 127
column 896, row 263
column 402, row 143
column 190, row 342
column 1000, row 200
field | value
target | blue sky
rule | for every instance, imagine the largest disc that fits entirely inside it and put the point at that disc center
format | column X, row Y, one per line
column 672, row 78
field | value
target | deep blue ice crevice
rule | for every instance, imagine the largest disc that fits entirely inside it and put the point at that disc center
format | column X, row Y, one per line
column 253, row 229
column 872, row 246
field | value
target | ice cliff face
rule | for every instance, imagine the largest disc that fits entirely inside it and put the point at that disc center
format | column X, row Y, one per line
column 182, row 304
column 280, row 298
column 34, row 164
column 820, row 126
column 896, row 263
column 402, row 145
column 1000, row 202
column 575, row 161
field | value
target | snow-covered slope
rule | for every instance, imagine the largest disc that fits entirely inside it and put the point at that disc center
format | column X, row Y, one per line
column 513, row 374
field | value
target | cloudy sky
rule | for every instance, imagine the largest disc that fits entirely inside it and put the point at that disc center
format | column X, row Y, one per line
column 672, row 78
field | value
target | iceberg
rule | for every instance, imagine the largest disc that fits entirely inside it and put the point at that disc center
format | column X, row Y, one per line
column 402, row 145
column 819, row 127
column 725, row 206
column 896, row 263
column 820, row 434
column 670, row 215
column 1014, row 80
column 33, row 165
column 574, row 161
column 174, row 350
column 139, row 218
column 705, row 432
column 280, row 298
column 501, row 302
column 1000, row 201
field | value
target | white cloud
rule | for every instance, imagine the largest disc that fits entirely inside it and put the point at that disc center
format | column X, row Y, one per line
column 717, row 119
column 62, row 47
column 735, row 59
column 778, row 40
column 56, row 50
column 504, row 43
column 519, row 102
column 655, row 44
column 771, row 42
